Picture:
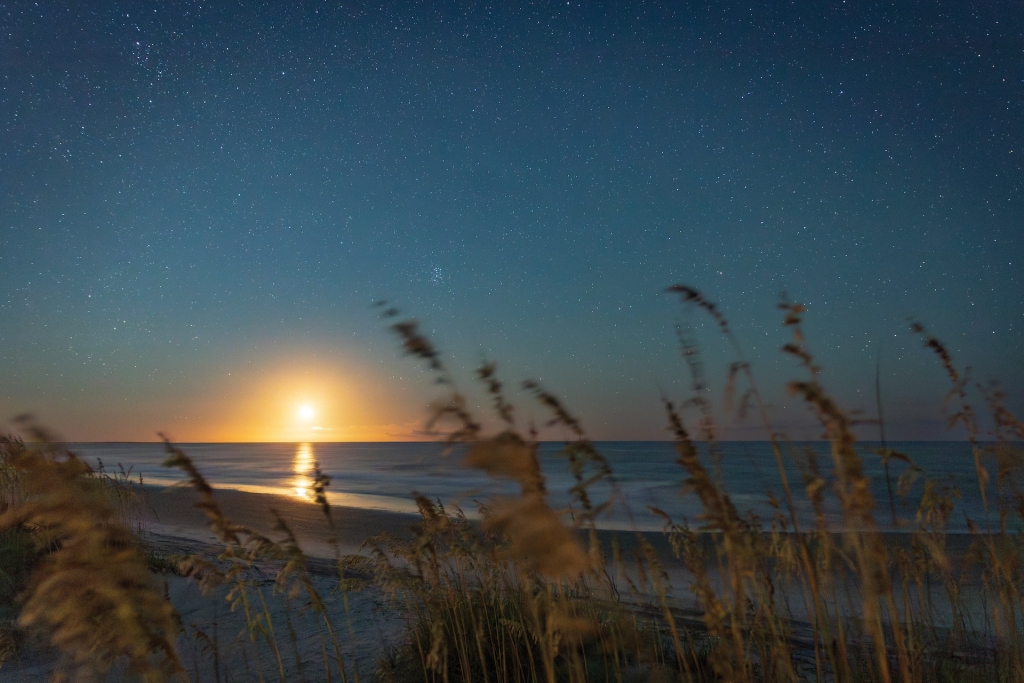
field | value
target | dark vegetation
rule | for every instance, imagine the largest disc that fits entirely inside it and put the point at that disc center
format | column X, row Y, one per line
column 524, row 596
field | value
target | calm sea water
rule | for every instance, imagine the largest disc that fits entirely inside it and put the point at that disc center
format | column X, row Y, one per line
column 387, row 475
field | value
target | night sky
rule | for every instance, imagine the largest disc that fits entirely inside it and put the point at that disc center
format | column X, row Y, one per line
column 201, row 201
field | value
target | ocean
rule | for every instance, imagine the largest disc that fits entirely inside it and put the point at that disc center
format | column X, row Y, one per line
column 387, row 476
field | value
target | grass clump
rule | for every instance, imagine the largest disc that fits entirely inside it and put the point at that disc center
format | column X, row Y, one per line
column 476, row 615
column 91, row 591
column 525, row 597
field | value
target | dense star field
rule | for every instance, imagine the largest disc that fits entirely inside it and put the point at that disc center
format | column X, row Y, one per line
column 200, row 202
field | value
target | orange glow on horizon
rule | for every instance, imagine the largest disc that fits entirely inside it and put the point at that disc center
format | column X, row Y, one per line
column 254, row 396
column 306, row 403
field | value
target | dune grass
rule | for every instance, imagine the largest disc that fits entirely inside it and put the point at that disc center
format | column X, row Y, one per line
column 527, row 594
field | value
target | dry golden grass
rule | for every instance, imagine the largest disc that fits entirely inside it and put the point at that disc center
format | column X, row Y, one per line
column 92, row 592
column 532, row 594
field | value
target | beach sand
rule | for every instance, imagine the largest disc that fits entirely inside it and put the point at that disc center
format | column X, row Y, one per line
column 172, row 525
column 171, row 513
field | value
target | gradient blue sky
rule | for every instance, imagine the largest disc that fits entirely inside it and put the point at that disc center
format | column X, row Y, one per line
column 199, row 202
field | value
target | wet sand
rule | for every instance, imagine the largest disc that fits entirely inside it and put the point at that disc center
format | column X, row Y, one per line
column 171, row 513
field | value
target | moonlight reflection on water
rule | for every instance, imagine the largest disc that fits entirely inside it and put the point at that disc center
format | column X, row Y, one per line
column 302, row 468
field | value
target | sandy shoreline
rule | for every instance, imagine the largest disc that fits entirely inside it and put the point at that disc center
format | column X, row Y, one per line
column 174, row 525
column 169, row 513
column 171, row 525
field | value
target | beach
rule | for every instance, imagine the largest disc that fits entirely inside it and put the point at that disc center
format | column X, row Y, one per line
column 168, row 515
column 171, row 527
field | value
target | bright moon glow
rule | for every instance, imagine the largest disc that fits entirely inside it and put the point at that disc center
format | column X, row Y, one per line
column 306, row 413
